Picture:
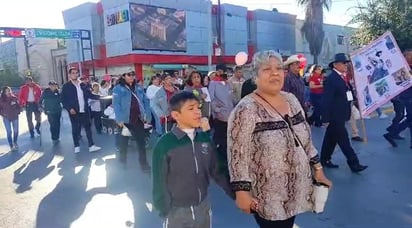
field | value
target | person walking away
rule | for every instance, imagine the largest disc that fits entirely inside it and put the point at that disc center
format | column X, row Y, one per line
column 132, row 111
column 316, row 91
column 222, row 104
column 183, row 162
column 160, row 102
column 75, row 96
column 336, row 110
column 51, row 103
column 96, row 109
column 9, row 111
column 293, row 81
column 236, row 82
column 29, row 98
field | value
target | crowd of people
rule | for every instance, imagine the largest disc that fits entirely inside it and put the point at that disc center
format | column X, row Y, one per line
column 217, row 125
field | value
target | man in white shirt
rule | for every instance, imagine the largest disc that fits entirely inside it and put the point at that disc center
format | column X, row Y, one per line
column 74, row 99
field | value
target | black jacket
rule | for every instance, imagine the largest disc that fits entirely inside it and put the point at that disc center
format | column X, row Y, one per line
column 51, row 101
column 335, row 105
column 248, row 87
column 69, row 97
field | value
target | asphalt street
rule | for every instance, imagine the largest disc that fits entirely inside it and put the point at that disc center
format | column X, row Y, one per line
column 46, row 186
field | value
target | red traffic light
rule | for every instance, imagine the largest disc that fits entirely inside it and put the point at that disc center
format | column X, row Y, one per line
column 12, row 32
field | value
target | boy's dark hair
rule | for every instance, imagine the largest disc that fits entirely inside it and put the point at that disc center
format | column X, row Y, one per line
column 178, row 100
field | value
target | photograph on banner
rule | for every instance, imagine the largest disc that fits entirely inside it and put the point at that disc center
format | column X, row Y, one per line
column 381, row 73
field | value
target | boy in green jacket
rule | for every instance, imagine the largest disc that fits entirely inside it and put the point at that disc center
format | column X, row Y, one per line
column 183, row 162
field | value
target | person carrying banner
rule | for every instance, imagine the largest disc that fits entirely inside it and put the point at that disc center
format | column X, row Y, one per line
column 336, row 110
column 405, row 99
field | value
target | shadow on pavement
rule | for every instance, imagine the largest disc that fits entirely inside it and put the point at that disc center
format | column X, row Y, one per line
column 32, row 170
column 69, row 198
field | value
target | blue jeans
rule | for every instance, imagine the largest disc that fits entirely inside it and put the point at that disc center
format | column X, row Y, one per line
column 9, row 125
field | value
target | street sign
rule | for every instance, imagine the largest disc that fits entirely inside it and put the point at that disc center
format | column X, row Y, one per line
column 53, row 33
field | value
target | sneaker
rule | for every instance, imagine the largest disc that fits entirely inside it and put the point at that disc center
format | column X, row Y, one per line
column 77, row 149
column 16, row 147
column 383, row 116
column 94, row 148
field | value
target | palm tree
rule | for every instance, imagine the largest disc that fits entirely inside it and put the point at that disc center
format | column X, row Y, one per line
column 312, row 29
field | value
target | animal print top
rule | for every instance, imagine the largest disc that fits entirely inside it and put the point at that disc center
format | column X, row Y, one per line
column 265, row 158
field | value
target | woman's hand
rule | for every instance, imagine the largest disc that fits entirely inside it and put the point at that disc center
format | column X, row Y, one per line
column 203, row 96
column 321, row 178
column 245, row 202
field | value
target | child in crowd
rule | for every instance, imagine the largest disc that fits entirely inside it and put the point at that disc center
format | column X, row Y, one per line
column 183, row 161
column 95, row 107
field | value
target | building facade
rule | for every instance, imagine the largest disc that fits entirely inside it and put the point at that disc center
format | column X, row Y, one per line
column 13, row 54
column 135, row 34
column 153, row 35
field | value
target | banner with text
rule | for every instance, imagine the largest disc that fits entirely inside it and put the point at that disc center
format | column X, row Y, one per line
column 381, row 73
column 157, row 28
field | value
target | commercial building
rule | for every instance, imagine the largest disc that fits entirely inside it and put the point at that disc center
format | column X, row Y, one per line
column 151, row 35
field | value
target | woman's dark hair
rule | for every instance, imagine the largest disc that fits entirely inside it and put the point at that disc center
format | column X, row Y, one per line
column 203, row 80
column 189, row 79
column 103, row 82
column 3, row 92
column 122, row 80
column 313, row 68
column 153, row 78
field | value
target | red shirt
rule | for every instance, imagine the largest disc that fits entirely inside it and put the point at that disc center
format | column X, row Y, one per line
column 316, row 79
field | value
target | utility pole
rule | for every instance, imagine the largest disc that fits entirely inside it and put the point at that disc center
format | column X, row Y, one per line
column 219, row 29
column 210, row 34
column 26, row 49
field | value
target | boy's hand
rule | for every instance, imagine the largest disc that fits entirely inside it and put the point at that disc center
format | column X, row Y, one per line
column 204, row 124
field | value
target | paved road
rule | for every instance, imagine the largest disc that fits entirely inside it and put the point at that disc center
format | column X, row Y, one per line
column 46, row 186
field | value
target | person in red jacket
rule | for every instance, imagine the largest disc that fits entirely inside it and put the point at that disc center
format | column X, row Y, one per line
column 29, row 98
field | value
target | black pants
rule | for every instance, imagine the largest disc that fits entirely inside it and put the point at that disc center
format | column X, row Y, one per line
column 336, row 134
column 406, row 123
column 78, row 121
column 54, row 122
column 97, row 119
column 220, row 138
column 138, row 134
column 316, row 99
column 263, row 223
column 399, row 108
column 31, row 108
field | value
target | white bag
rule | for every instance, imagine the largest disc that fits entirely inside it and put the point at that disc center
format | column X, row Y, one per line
column 355, row 113
column 319, row 197
column 126, row 131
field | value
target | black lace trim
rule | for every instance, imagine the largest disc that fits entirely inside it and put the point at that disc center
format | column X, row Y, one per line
column 276, row 125
column 298, row 118
column 267, row 126
column 241, row 186
column 314, row 160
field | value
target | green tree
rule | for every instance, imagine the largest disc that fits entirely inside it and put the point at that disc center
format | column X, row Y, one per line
column 9, row 76
column 312, row 29
column 375, row 17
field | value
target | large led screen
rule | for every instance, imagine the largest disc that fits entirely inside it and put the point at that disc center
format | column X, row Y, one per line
column 156, row 28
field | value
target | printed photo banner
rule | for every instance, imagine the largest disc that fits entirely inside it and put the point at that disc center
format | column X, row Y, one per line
column 380, row 73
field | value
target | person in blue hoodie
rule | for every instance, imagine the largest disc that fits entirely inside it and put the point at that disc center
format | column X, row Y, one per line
column 132, row 111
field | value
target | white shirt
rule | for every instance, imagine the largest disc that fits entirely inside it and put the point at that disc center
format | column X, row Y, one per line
column 80, row 96
column 30, row 97
column 190, row 133
column 151, row 91
column 104, row 91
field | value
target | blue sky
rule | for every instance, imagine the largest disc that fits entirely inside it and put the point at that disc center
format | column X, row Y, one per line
column 48, row 13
